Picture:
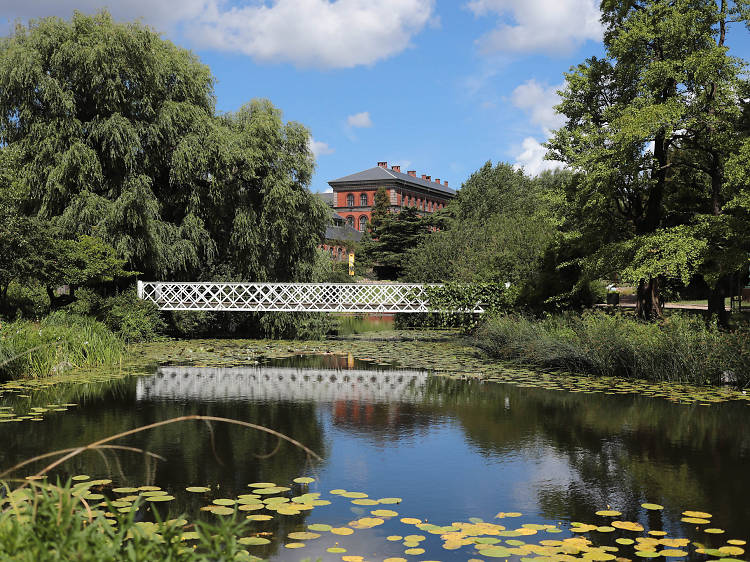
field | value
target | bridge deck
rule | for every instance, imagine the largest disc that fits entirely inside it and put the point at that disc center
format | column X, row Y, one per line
column 291, row 297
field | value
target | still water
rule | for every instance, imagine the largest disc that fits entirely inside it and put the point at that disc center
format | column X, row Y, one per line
column 451, row 449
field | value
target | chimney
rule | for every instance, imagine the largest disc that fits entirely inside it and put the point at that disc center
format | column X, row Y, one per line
column 424, row 176
column 412, row 173
column 428, row 178
column 383, row 164
column 437, row 180
column 445, row 183
column 396, row 168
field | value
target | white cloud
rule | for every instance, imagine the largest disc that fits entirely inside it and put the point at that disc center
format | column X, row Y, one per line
column 316, row 33
column 552, row 26
column 359, row 120
column 539, row 102
column 531, row 159
column 320, row 148
column 309, row 33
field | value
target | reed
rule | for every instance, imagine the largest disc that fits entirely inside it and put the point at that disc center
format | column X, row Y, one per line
column 679, row 349
column 58, row 343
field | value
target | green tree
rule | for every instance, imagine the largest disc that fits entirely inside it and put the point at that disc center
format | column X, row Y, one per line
column 388, row 246
column 633, row 117
column 114, row 134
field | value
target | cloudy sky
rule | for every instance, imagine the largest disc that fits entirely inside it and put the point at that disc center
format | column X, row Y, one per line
column 438, row 86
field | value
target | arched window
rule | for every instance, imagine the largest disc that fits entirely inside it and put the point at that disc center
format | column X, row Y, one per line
column 350, row 221
column 362, row 223
column 350, row 200
column 363, row 200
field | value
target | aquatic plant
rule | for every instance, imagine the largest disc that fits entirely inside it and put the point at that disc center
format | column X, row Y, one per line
column 58, row 343
column 680, row 349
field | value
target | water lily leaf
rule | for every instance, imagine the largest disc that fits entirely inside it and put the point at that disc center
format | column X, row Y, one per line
column 304, row 480
column 336, row 550
column 198, row 489
column 673, row 553
column 652, row 506
column 224, row 501
column 259, row 517
column 384, row 513
column 414, row 551
column 342, row 531
column 714, row 531
column 294, row 545
column 303, row 536
column 608, row 513
column 698, row 514
column 253, row 541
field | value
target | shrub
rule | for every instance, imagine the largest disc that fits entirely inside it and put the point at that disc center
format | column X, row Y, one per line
column 134, row 319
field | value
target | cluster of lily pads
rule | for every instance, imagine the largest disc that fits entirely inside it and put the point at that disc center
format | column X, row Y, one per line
column 446, row 356
column 9, row 414
column 477, row 539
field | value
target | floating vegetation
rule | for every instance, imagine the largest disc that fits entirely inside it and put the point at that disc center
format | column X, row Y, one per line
column 475, row 538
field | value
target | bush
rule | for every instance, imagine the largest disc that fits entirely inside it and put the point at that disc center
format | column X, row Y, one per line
column 134, row 319
column 679, row 349
column 60, row 342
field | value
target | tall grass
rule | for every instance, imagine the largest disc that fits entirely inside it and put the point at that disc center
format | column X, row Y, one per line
column 57, row 343
column 680, row 349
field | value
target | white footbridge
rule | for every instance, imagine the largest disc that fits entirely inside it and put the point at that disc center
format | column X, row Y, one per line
column 361, row 298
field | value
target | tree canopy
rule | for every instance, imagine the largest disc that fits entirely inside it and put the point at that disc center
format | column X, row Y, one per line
column 113, row 134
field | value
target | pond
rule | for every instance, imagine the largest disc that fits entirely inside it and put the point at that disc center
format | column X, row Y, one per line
column 445, row 451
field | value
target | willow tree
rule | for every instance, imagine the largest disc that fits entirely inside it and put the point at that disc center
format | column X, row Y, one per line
column 115, row 135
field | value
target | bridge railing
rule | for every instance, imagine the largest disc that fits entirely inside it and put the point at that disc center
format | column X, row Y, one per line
column 366, row 298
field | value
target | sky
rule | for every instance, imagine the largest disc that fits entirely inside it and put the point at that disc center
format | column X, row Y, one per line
column 436, row 86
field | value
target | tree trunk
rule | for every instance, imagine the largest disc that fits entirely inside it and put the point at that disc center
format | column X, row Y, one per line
column 648, row 304
column 716, row 299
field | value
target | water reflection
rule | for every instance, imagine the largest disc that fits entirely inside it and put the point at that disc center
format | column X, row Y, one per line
column 284, row 384
column 452, row 449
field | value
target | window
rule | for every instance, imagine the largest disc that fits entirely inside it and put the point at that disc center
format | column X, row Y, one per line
column 350, row 200
column 362, row 223
column 363, row 200
column 341, row 253
column 350, row 221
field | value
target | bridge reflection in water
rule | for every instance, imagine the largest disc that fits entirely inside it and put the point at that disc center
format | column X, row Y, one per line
column 287, row 384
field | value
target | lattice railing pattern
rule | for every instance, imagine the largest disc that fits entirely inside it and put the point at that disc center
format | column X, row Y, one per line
column 289, row 297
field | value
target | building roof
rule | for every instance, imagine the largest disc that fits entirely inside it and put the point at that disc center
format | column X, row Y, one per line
column 327, row 198
column 379, row 173
column 344, row 233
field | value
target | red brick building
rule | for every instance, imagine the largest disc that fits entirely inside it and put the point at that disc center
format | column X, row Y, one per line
column 354, row 195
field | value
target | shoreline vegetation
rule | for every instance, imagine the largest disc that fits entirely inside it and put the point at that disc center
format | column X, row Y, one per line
column 593, row 344
column 679, row 349
column 59, row 343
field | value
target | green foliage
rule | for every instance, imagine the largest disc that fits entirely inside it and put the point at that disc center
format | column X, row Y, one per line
column 110, row 131
column 651, row 129
column 454, row 303
column 60, row 342
column 681, row 348
column 396, row 233
column 496, row 231
column 51, row 524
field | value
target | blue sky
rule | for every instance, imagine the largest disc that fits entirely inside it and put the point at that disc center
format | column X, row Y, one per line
column 436, row 86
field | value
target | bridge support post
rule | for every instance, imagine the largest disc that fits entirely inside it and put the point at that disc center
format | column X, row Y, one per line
column 140, row 289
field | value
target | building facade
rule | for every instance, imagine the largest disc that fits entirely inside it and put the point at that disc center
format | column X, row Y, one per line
column 354, row 195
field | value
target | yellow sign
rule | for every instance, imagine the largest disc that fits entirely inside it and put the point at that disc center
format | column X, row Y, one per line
column 351, row 263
